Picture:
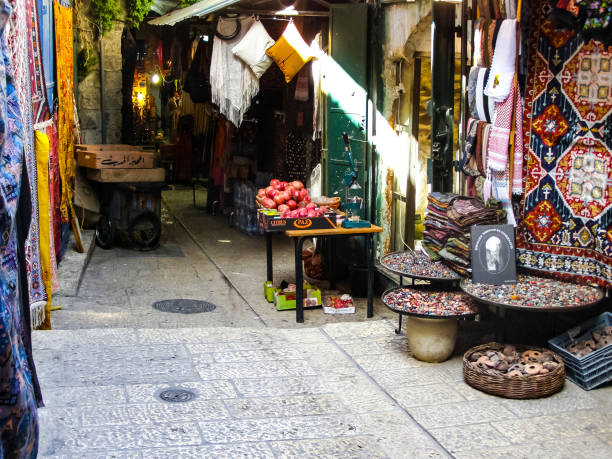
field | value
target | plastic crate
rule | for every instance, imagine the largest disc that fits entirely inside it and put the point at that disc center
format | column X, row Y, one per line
column 590, row 380
column 593, row 369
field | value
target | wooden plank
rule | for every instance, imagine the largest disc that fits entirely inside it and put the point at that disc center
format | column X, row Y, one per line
column 333, row 231
column 115, row 160
column 106, row 147
column 126, row 175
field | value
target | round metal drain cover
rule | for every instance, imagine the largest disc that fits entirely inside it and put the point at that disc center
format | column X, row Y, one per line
column 176, row 395
column 184, row 306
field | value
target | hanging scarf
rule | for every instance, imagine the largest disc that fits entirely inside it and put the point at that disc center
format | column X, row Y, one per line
column 42, row 158
column 40, row 105
column 485, row 106
column 233, row 84
column 504, row 61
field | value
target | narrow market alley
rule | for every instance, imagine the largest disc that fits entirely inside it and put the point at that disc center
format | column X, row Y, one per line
column 257, row 386
column 306, row 229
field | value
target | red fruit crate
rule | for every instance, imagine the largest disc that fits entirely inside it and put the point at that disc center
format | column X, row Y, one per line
column 278, row 223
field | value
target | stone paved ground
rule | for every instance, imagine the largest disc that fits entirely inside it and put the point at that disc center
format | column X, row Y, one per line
column 341, row 390
column 264, row 390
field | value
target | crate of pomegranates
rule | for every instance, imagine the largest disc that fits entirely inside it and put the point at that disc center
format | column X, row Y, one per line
column 287, row 206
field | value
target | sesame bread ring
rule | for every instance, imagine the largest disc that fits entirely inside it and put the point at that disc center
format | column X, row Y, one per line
column 515, row 374
column 531, row 355
column 533, row 368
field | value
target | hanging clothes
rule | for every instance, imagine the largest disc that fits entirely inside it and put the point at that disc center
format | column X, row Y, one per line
column 18, row 420
column 19, row 41
column 233, row 84
column 65, row 89
column 40, row 105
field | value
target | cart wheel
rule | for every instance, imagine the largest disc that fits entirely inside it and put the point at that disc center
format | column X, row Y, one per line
column 145, row 230
column 105, row 233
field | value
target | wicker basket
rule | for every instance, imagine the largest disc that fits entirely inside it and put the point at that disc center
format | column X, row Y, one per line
column 526, row 387
column 332, row 203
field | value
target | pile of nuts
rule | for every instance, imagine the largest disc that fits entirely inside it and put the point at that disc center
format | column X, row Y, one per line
column 509, row 362
column 600, row 339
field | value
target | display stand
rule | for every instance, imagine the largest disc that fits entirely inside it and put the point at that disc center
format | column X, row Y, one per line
column 533, row 294
column 416, row 265
column 432, row 316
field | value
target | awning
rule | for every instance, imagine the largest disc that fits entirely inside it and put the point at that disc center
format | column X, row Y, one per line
column 197, row 9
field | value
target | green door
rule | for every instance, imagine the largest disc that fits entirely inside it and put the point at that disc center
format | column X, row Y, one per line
column 347, row 104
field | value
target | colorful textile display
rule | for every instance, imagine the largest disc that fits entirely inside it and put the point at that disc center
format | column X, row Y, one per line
column 18, row 422
column 566, row 227
column 447, row 227
column 19, row 38
column 65, row 90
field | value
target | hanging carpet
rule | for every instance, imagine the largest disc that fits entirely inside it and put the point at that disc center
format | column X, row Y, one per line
column 566, row 224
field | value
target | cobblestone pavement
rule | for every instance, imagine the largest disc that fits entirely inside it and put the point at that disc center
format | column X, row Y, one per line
column 348, row 389
column 341, row 390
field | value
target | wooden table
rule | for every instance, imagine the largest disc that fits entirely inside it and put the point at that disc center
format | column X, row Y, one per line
column 299, row 236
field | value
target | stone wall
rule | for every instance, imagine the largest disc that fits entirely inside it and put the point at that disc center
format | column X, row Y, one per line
column 88, row 91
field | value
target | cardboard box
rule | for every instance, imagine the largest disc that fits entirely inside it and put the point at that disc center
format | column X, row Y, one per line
column 278, row 223
column 269, row 291
column 127, row 159
column 285, row 301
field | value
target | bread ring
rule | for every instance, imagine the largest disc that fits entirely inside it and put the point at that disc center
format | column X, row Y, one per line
column 608, row 330
column 531, row 354
column 573, row 348
column 501, row 366
column 589, row 343
column 533, row 368
column 490, row 363
column 543, row 371
column 509, row 350
column 475, row 356
column 550, row 366
column 482, row 360
column 515, row 374
column 546, row 357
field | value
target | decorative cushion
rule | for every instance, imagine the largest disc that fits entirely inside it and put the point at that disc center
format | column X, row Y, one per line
column 290, row 52
column 252, row 49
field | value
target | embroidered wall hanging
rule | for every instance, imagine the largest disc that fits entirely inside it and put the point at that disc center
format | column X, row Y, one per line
column 566, row 224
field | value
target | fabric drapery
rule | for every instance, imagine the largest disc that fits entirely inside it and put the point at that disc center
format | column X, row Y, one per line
column 42, row 158
column 65, row 87
column 19, row 42
column 18, row 420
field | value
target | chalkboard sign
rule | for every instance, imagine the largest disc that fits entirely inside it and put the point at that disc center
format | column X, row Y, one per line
column 493, row 254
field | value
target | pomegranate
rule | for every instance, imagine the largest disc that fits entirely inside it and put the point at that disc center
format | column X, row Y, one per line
column 292, row 204
column 278, row 199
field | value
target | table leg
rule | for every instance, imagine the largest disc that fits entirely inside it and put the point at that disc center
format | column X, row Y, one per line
column 370, row 244
column 398, row 330
column 401, row 280
column 299, row 281
column 269, row 266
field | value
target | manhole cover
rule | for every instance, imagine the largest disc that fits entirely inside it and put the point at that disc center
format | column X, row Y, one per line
column 184, row 306
column 176, row 395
